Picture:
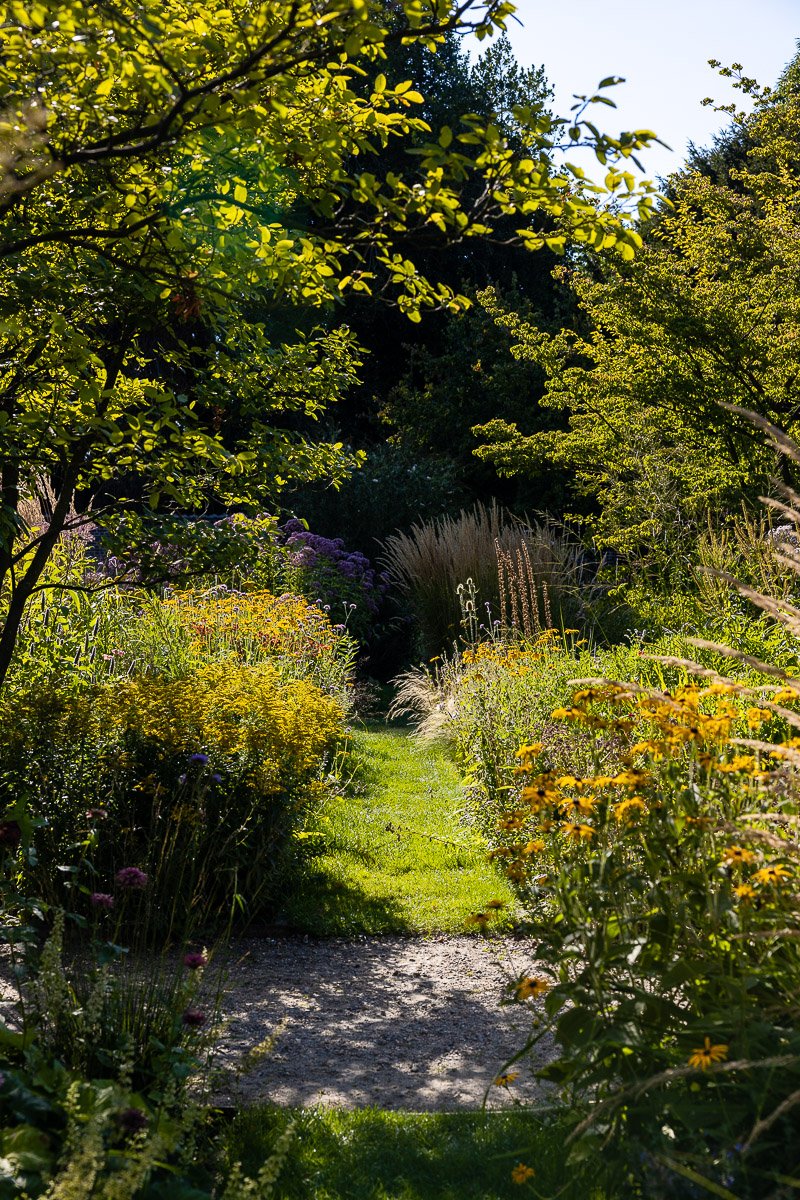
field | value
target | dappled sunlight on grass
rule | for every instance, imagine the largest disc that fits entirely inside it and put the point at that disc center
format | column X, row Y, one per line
column 374, row 1155
column 397, row 859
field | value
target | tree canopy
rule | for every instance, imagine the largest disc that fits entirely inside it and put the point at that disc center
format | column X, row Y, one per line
column 182, row 188
column 706, row 317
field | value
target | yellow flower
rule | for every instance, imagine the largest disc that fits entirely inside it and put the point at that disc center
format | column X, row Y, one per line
column 582, row 804
column 740, row 762
column 757, row 716
column 480, row 919
column 707, row 1054
column 650, row 746
column 569, row 781
column 505, row 1079
column 744, row 892
column 529, row 750
column 530, row 987
column 522, row 1173
column 771, row 875
column 629, row 808
column 630, row 778
column 538, row 797
column 736, row 856
column 534, row 847
column 577, row 832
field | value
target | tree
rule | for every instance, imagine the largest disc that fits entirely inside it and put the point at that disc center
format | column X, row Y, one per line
column 466, row 378
column 706, row 317
column 182, row 186
column 422, row 387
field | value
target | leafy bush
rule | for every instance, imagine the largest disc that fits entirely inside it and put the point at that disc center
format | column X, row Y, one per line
column 649, row 829
column 394, row 488
column 342, row 581
column 296, row 637
column 198, row 781
column 661, row 887
column 106, row 1060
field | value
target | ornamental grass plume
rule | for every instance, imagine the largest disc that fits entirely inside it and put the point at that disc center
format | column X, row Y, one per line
column 428, row 564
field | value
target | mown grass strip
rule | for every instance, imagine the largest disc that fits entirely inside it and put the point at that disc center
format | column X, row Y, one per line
column 396, row 858
column 371, row 1154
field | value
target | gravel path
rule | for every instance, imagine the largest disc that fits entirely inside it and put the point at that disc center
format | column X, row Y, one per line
column 398, row 1023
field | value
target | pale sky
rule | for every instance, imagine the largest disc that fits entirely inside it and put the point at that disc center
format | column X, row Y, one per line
column 662, row 50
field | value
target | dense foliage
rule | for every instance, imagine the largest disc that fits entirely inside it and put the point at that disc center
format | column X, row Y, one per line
column 705, row 317
column 182, row 188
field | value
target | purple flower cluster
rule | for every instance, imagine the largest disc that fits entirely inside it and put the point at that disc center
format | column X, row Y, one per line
column 131, row 877
column 340, row 575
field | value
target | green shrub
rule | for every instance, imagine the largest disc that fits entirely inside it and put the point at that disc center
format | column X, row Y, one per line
column 649, row 830
column 661, row 893
column 107, row 1060
column 394, row 488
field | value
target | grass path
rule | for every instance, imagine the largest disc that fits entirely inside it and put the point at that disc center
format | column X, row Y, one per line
column 375, row 1155
column 394, row 857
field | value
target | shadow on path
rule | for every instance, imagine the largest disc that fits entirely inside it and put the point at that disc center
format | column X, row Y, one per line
column 390, row 1022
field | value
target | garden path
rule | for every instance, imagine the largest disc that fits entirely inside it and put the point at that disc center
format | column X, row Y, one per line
column 373, row 1018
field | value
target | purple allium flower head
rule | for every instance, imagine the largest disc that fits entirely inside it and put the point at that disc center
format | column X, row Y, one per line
column 194, row 960
column 217, row 778
column 194, row 1018
column 132, row 1120
column 131, row 877
column 101, row 900
column 96, row 814
column 10, row 833
column 198, row 758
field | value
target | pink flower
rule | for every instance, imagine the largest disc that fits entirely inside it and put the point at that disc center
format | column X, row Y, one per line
column 193, row 960
column 194, row 1018
column 101, row 900
column 131, row 877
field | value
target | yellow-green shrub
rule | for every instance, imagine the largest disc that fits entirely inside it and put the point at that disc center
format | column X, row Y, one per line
column 199, row 782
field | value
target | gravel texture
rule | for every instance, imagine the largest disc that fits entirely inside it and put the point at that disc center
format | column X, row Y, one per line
column 393, row 1022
